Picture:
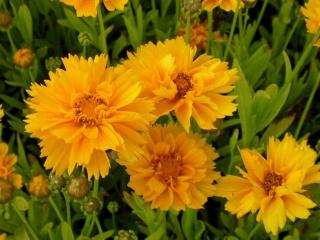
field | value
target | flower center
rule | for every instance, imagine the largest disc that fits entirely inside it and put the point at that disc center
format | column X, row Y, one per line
column 89, row 110
column 167, row 166
column 183, row 84
column 271, row 181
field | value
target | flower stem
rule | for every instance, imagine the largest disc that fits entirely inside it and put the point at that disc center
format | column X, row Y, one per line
column 188, row 28
column 210, row 24
column 233, row 27
column 98, row 226
column 101, row 26
column 13, row 46
column 291, row 32
column 114, row 225
column 67, row 200
column 307, row 107
column 254, row 230
column 25, row 222
column 86, row 226
column 96, row 187
column 56, row 209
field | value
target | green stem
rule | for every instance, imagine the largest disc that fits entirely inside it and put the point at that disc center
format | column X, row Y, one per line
column 91, row 225
column 233, row 27
column 114, row 225
column 291, row 33
column 31, row 75
column 304, row 56
column 98, row 226
column 170, row 118
column 101, row 26
column 96, row 187
column 56, row 209
column 25, row 222
column 254, row 230
column 240, row 23
column 86, row 226
column 67, row 200
column 84, row 51
column 13, row 46
column 256, row 25
column 307, row 107
column 188, row 28
column 210, row 23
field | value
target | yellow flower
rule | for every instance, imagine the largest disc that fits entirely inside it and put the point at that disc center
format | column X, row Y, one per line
column 23, row 57
column 83, row 111
column 198, row 35
column 174, row 170
column 39, row 186
column 311, row 11
column 112, row 5
column 3, row 236
column 177, row 82
column 273, row 186
column 7, row 170
column 226, row 5
column 88, row 8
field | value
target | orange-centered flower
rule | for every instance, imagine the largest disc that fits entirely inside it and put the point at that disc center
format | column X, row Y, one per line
column 174, row 170
column 273, row 186
column 89, row 7
column 83, row 111
column 226, row 5
column 179, row 82
column 7, row 169
column 311, row 11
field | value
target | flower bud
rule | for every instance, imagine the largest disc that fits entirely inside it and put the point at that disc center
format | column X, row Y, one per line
column 90, row 205
column 6, row 191
column 5, row 20
column 39, row 186
column 126, row 235
column 56, row 183
column 23, row 57
column 192, row 6
column 78, row 187
column 52, row 63
column 85, row 39
column 113, row 207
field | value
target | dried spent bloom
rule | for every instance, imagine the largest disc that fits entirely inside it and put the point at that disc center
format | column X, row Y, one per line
column 39, row 186
column 90, row 205
column 198, row 35
column 174, row 170
column 83, row 111
column 7, row 169
column 6, row 191
column 226, row 5
column 56, row 183
column 88, row 8
column 273, row 186
column 189, row 87
column 23, row 57
column 78, row 187
column 311, row 11
column 126, row 235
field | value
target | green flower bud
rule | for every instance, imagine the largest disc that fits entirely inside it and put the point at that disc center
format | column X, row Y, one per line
column 52, row 63
column 6, row 191
column 56, row 183
column 113, row 207
column 78, row 187
column 126, row 235
column 192, row 6
column 85, row 39
column 90, row 205
column 5, row 21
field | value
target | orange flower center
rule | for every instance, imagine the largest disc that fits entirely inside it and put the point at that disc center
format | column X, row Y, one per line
column 89, row 110
column 167, row 166
column 271, row 181
column 183, row 84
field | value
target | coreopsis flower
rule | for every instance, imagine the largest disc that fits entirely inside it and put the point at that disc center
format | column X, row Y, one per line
column 83, row 111
column 23, row 57
column 273, row 186
column 177, row 81
column 174, row 170
column 226, row 5
column 198, row 35
column 39, row 186
column 7, row 169
column 88, row 8
column 311, row 11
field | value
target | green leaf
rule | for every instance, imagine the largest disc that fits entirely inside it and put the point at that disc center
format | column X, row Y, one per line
column 22, row 158
column 66, row 231
column 104, row 235
column 23, row 22
column 20, row 203
column 188, row 220
column 12, row 101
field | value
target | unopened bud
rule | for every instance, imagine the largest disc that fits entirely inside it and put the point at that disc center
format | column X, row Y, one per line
column 5, row 21
column 85, row 39
column 90, row 205
column 113, row 207
column 192, row 6
column 126, row 235
column 23, row 57
column 52, row 63
column 56, row 183
column 6, row 191
column 78, row 187
column 39, row 186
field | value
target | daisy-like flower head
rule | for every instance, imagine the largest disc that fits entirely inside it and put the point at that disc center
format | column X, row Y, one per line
column 177, row 82
column 174, row 170
column 311, row 11
column 273, row 186
column 88, row 8
column 83, row 111
column 226, row 5
column 7, row 169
